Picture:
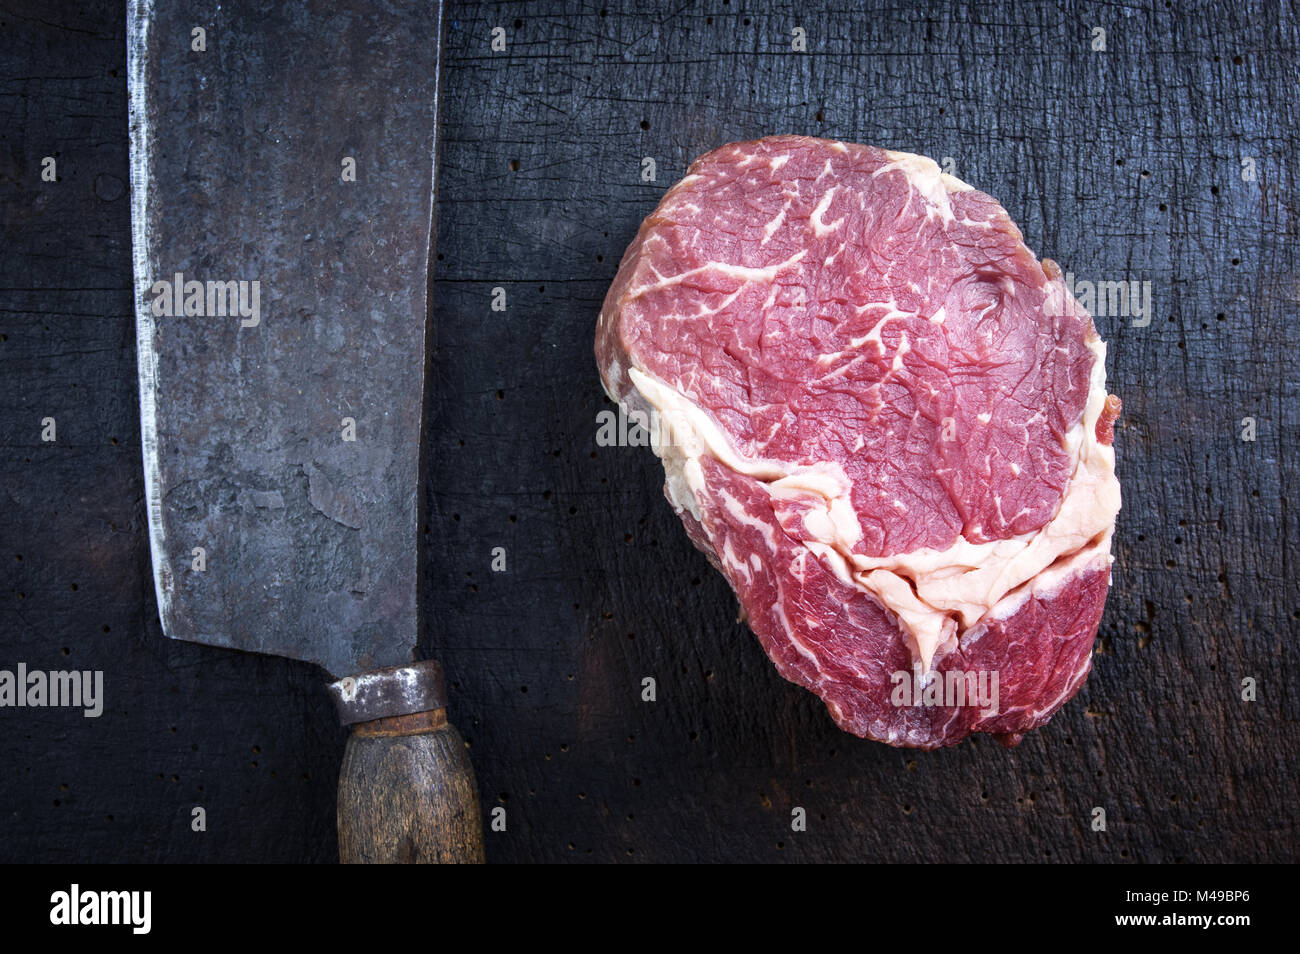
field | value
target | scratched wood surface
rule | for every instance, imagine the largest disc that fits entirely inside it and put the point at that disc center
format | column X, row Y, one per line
column 1123, row 164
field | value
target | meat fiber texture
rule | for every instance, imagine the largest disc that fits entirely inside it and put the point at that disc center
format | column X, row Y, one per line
column 885, row 422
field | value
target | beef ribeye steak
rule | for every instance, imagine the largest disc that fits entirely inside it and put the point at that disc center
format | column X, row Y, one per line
column 885, row 422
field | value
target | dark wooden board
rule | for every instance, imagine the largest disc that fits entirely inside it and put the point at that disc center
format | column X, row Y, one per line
column 1121, row 165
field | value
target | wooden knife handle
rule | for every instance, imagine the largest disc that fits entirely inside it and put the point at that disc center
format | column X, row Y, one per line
column 407, row 792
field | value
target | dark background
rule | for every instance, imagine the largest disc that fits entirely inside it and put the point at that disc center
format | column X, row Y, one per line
column 1121, row 165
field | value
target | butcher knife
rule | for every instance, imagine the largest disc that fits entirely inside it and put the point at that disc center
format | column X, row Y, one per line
column 283, row 161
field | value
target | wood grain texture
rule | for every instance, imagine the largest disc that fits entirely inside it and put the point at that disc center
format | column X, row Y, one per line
column 408, row 798
column 1121, row 165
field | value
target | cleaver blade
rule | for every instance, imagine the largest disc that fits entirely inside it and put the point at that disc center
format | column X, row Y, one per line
column 282, row 179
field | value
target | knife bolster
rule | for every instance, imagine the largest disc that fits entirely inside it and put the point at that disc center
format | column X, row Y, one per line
column 385, row 693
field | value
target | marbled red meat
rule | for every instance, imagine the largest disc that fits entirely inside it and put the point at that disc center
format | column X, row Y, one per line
column 884, row 421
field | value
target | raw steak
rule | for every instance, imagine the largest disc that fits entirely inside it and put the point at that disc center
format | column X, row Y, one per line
column 885, row 422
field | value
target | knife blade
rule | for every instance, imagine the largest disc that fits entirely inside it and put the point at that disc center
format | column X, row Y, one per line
column 283, row 163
